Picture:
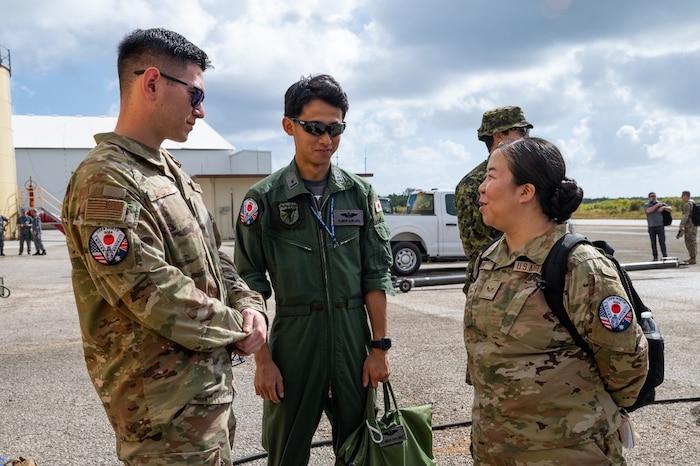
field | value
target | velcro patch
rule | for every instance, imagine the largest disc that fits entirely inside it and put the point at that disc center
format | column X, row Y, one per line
column 105, row 209
column 108, row 246
column 349, row 217
column 249, row 212
column 615, row 313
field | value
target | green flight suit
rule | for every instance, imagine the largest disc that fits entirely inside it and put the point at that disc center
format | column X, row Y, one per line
column 319, row 337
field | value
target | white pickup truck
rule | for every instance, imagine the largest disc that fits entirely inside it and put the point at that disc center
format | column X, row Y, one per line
column 426, row 232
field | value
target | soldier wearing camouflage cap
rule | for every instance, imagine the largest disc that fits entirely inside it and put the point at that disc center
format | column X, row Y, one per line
column 161, row 309
column 497, row 125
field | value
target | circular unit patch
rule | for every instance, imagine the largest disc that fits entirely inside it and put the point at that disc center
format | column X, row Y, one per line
column 108, row 246
column 615, row 313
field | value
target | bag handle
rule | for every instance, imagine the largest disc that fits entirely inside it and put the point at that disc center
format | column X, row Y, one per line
column 371, row 409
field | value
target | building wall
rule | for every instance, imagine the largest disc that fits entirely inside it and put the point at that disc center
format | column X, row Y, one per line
column 51, row 169
column 223, row 195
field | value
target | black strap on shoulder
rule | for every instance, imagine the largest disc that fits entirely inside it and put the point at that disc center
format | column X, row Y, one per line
column 552, row 282
column 636, row 302
column 474, row 272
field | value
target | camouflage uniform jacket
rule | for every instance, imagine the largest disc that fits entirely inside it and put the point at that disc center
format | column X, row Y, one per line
column 475, row 234
column 535, row 389
column 686, row 217
column 149, row 286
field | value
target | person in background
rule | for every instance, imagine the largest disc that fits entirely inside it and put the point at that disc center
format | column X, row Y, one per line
column 24, row 223
column 318, row 233
column 36, row 233
column 538, row 398
column 497, row 125
column 687, row 229
column 3, row 225
column 160, row 316
column 655, row 224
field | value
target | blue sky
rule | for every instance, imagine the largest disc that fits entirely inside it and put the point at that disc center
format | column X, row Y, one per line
column 612, row 83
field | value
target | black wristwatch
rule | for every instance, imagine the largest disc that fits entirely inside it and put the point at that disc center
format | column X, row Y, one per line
column 383, row 344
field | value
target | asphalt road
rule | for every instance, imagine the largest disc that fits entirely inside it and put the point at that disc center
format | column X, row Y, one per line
column 50, row 412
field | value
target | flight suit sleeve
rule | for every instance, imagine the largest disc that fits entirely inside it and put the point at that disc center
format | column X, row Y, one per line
column 376, row 249
column 249, row 255
column 600, row 309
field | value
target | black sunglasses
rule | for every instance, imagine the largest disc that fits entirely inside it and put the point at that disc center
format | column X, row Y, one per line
column 197, row 96
column 319, row 129
column 520, row 130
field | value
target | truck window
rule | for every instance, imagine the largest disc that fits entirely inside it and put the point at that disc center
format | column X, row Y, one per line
column 386, row 205
column 420, row 203
column 450, row 204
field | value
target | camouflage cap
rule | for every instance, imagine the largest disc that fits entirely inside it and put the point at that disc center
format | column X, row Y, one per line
column 502, row 119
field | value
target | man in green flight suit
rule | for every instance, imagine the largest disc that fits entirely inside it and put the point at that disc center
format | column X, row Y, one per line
column 497, row 125
column 319, row 232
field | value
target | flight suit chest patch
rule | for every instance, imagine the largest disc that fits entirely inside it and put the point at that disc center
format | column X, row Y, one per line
column 354, row 217
column 287, row 214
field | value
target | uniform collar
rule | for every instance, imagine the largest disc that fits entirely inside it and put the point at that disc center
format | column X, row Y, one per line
column 137, row 149
column 294, row 185
column 535, row 251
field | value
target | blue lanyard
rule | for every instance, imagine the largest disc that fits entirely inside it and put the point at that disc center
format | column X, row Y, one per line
column 330, row 230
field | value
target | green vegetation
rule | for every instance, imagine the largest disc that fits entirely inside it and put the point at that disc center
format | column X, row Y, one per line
column 622, row 208
column 632, row 208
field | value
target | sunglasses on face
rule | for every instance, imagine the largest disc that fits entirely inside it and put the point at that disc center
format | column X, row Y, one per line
column 317, row 128
column 197, row 95
column 522, row 131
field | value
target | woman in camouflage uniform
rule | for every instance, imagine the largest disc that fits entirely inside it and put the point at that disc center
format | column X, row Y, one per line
column 538, row 397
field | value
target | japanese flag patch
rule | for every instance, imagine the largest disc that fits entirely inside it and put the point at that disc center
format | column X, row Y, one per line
column 615, row 313
column 249, row 212
column 108, row 246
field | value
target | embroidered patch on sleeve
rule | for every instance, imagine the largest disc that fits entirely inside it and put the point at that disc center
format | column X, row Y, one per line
column 108, row 246
column 249, row 212
column 104, row 209
column 377, row 206
column 615, row 313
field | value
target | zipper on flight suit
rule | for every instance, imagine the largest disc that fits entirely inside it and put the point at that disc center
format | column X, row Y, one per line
column 321, row 230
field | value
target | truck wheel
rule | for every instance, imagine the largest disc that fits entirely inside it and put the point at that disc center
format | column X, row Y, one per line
column 407, row 258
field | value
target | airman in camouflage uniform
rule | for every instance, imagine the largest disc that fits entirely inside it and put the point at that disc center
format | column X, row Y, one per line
column 160, row 308
column 497, row 125
column 3, row 224
column 539, row 399
column 687, row 228
column 24, row 223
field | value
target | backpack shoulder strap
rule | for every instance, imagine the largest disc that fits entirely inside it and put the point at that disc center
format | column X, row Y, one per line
column 474, row 272
column 552, row 282
column 632, row 295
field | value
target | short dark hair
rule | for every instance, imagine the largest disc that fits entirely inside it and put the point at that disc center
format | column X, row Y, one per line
column 156, row 47
column 539, row 162
column 685, row 193
column 323, row 87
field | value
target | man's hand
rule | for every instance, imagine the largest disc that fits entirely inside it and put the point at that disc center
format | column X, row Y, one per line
column 268, row 378
column 376, row 368
column 255, row 326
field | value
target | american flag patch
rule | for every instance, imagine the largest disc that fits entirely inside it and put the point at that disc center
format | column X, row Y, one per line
column 108, row 246
column 615, row 313
column 104, row 209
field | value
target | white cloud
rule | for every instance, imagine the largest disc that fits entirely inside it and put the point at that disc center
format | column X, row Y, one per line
column 611, row 83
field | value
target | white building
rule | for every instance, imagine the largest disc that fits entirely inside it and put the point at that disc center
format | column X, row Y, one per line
column 48, row 148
